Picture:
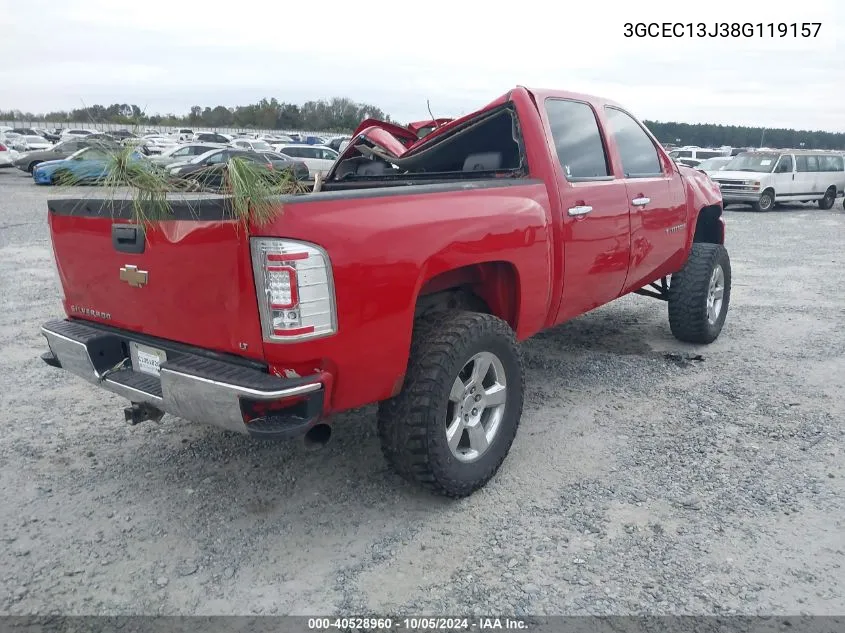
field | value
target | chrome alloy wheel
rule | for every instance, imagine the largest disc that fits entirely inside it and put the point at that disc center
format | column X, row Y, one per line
column 476, row 406
column 715, row 295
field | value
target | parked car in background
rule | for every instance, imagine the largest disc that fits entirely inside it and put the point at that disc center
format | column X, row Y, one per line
column 211, row 137
column 25, row 131
column 10, row 138
column 339, row 143
column 183, row 153
column 132, row 141
column 185, row 134
column 50, row 136
column 89, row 165
column 207, row 169
column 251, row 144
column 280, row 161
column 102, row 136
column 318, row 158
column 76, row 133
column 7, row 155
column 156, row 143
column 306, row 139
column 712, row 165
column 216, row 156
column 692, row 155
column 122, row 135
column 275, row 139
column 763, row 179
column 31, row 142
column 28, row 160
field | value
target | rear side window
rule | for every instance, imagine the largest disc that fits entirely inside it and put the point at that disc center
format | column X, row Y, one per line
column 291, row 151
column 831, row 163
column 682, row 154
column 578, row 141
column 639, row 156
column 703, row 155
column 807, row 163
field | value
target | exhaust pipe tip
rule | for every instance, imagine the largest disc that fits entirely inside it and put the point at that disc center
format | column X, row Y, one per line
column 318, row 436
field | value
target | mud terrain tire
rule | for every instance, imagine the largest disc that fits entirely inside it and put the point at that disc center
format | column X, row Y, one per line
column 443, row 385
column 699, row 295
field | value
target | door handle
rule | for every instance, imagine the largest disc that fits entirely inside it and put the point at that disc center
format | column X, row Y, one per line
column 640, row 202
column 579, row 210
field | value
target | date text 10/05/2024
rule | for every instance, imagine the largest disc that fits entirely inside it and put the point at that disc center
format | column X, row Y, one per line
column 417, row 624
column 722, row 29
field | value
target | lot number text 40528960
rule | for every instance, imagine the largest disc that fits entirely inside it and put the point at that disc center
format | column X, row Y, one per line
column 722, row 29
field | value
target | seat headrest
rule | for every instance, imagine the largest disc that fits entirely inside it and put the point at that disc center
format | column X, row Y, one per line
column 371, row 168
column 487, row 161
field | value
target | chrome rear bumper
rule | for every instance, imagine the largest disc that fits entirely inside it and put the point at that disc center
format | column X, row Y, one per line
column 192, row 386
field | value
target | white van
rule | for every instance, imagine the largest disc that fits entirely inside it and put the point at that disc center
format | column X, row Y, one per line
column 763, row 178
column 692, row 155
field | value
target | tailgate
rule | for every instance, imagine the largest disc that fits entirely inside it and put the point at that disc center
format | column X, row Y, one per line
column 187, row 278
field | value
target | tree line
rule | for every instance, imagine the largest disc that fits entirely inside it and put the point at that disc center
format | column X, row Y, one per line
column 712, row 135
column 340, row 114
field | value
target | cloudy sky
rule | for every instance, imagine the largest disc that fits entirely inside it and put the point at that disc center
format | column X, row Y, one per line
column 167, row 55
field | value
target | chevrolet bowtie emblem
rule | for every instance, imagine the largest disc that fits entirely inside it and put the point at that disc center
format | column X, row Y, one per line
column 134, row 277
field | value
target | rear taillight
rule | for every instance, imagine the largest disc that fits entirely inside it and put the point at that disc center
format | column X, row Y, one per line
column 3, row 148
column 295, row 289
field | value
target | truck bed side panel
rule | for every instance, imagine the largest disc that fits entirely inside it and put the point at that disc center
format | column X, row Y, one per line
column 384, row 247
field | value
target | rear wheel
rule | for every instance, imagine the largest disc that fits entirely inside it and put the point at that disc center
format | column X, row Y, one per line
column 454, row 421
column 766, row 201
column 829, row 198
column 699, row 295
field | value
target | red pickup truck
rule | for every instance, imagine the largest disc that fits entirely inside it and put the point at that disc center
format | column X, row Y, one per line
column 406, row 280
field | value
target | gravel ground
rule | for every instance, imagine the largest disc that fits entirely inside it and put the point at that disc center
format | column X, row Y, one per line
column 644, row 479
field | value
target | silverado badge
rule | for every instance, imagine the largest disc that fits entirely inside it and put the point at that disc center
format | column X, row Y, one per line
column 134, row 277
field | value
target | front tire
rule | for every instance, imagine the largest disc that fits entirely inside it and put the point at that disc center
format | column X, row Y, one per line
column 828, row 200
column 454, row 421
column 31, row 167
column 699, row 295
column 766, row 201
